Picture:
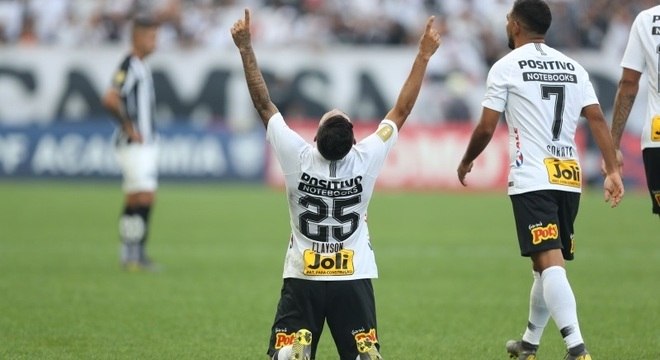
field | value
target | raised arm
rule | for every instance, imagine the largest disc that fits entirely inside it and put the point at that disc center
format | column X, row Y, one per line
column 240, row 32
column 428, row 44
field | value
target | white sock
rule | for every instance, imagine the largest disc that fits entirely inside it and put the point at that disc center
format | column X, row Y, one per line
column 560, row 300
column 284, row 353
column 538, row 312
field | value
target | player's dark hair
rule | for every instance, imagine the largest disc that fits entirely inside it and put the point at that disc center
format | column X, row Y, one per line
column 534, row 14
column 144, row 20
column 334, row 139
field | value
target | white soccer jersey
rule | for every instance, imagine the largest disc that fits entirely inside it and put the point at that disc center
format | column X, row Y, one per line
column 541, row 92
column 328, row 203
column 643, row 55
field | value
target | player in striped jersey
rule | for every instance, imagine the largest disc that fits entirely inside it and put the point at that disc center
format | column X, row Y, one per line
column 329, row 262
column 642, row 55
column 543, row 93
column 131, row 100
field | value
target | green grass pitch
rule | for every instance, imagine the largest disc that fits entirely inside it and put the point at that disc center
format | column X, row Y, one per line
column 451, row 286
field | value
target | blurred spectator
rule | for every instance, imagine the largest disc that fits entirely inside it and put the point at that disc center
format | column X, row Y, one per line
column 11, row 20
column 28, row 35
column 565, row 24
column 615, row 38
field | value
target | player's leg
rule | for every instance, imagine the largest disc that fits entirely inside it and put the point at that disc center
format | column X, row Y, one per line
column 562, row 208
column 537, row 320
column 134, row 224
column 558, row 292
column 300, row 310
column 537, row 230
column 138, row 163
column 651, row 157
column 351, row 317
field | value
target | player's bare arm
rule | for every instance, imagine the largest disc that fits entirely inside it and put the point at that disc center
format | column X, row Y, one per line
column 112, row 102
column 613, row 186
column 480, row 138
column 240, row 32
column 623, row 103
column 428, row 44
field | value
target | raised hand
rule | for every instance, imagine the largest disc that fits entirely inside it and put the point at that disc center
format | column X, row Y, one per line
column 240, row 31
column 430, row 40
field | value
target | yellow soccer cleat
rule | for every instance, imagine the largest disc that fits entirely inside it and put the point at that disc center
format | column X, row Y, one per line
column 368, row 350
column 302, row 345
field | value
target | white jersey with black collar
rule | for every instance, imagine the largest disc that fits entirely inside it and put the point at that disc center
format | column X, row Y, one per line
column 542, row 93
column 328, row 203
column 643, row 55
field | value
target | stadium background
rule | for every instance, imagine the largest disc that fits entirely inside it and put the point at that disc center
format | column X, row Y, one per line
column 57, row 57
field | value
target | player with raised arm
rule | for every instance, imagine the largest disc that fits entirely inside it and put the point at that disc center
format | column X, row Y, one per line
column 642, row 55
column 329, row 262
column 542, row 94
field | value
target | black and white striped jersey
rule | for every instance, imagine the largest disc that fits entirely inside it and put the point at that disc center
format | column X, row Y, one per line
column 134, row 82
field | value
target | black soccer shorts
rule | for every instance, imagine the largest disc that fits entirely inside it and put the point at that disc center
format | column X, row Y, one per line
column 651, row 157
column 348, row 306
column 544, row 220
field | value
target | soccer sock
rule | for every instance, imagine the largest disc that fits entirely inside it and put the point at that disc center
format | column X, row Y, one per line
column 131, row 232
column 538, row 313
column 143, row 212
column 560, row 300
column 284, row 353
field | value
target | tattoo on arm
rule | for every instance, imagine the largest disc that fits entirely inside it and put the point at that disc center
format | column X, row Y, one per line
column 257, row 85
column 622, row 106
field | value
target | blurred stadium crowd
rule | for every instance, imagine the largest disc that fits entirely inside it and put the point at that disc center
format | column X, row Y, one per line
column 593, row 24
column 473, row 31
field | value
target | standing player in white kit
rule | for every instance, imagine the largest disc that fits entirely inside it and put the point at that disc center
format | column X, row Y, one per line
column 543, row 93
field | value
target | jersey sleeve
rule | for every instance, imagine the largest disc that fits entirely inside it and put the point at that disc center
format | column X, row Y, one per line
column 496, row 87
column 286, row 143
column 119, row 77
column 589, row 94
column 375, row 147
column 633, row 57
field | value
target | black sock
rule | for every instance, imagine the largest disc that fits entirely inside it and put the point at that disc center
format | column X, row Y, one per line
column 576, row 350
column 143, row 212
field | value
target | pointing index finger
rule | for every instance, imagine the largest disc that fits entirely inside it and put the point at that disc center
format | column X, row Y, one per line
column 429, row 23
column 247, row 17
